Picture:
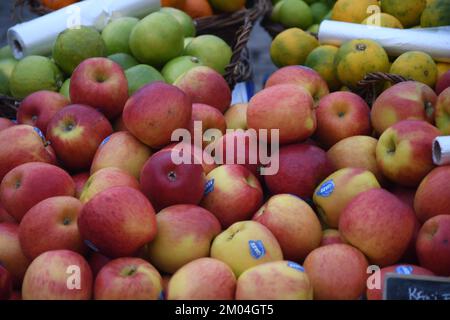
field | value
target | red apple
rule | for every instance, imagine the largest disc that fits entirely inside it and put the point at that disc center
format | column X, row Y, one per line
column 202, row 279
column 11, row 254
column 341, row 115
column 232, row 194
column 207, row 86
column 302, row 168
column 287, row 217
column 54, row 222
column 199, row 155
column 48, row 277
column 166, row 183
column 331, row 236
column 28, row 184
column 75, row 133
column 6, row 281
column 408, row 100
column 379, row 224
column 5, row 124
column 117, row 222
column 236, row 116
column 128, row 279
column 433, row 245
column 337, row 272
column 80, row 180
column 210, row 118
column 404, row 194
column 443, row 112
column 432, row 197
column 5, row 216
column 101, row 84
column 185, row 233
column 301, row 76
column 123, row 151
column 21, row 144
column 155, row 111
column 287, row 108
column 443, row 83
column 402, row 269
column 38, row 108
column 404, row 152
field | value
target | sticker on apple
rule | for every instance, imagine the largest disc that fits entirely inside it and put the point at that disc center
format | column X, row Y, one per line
column 326, row 189
column 209, row 187
column 105, row 141
column 91, row 246
column 404, row 270
column 257, row 249
column 295, row 266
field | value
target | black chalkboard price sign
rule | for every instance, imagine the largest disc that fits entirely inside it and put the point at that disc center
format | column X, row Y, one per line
column 410, row 287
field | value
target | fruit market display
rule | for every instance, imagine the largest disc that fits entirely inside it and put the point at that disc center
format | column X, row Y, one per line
column 90, row 190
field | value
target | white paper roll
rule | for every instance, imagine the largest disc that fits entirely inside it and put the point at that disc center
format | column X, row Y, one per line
column 37, row 36
column 441, row 151
column 434, row 41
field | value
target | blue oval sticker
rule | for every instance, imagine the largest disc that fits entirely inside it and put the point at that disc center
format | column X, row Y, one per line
column 326, row 189
column 257, row 249
column 404, row 269
column 295, row 266
column 209, row 187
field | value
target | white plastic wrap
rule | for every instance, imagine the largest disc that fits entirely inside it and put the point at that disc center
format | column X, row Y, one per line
column 37, row 36
column 434, row 41
column 441, row 151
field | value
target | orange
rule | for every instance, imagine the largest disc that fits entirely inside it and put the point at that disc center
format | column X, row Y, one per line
column 179, row 4
column 198, row 8
column 227, row 5
column 353, row 11
column 57, row 4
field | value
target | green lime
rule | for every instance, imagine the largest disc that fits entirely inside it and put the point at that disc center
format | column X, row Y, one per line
column 35, row 73
column 5, row 53
column 186, row 22
column 124, row 60
column 117, row 35
column 211, row 50
column 140, row 75
column 178, row 66
column 65, row 89
column 6, row 69
column 296, row 13
column 76, row 45
column 319, row 10
column 187, row 41
column 157, row 39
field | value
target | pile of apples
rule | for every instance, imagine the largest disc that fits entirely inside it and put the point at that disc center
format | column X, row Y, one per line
column 91, row 211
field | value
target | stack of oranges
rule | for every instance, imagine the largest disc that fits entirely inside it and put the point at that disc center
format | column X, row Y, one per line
column 57, row 4
column 204, row 8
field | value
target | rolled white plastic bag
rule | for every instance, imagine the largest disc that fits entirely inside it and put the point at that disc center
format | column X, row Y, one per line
column 434, row 41
column 441, row 151
column 36, row 37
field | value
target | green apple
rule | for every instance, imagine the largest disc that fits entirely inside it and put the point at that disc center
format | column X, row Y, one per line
column 141, row 75
column 178, row 66
column 65, row 89
column 186, row 22
column 6, row 68
column 117, row 35
column 125, row 60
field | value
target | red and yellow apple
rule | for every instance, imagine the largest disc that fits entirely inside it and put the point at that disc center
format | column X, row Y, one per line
column 236, row 116
column 209, row 118
column 331, row 236
column 443, row 112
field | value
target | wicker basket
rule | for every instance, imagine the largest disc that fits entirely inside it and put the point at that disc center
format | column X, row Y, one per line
column 370, row 87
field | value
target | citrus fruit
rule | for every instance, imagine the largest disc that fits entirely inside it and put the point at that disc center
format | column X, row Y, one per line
column 319, row 10
column 187, row 41
column 141, row 75
column 314, row 28
column 211, row 50
column 186, row 22
column 178, row 66
column 227, row 5
column 65, row 89
column 173, row 3
column 76, row 45
column 436, row 14
column 126, row 61
column 157, row 39
column 292, row 47
column 321, row 59
column 117, row 35
column 6, row 68
column 356, row 58
column 275, row 15
column 353, row 11
column 34, row 73
column 5, row 52
column 407, row 12
column 198, row 8
column 383, row 20
column 57, row 4
column 295, row 13
column 416, row 65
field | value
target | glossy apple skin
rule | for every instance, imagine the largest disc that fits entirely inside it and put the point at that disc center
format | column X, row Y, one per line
column 28, row 184
column 154, row 112
column 341, row 115
column 302, row 168
column 166, row 183
column 378, row 224
column 80, row 180
column 207, row 86
column 331, row 236
column 101, row 222
column 101, row 84
column 5, row 124
column 202, row 279
column 47, row 277
column 75, row 133
column 38, row 108
column 128, row 279
column 433, row 245
column 21, row 144
column 288, row 108
column 54, row 222
column 210, row 118
column 236, row 116
column 337, row 272
column 235, row 194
